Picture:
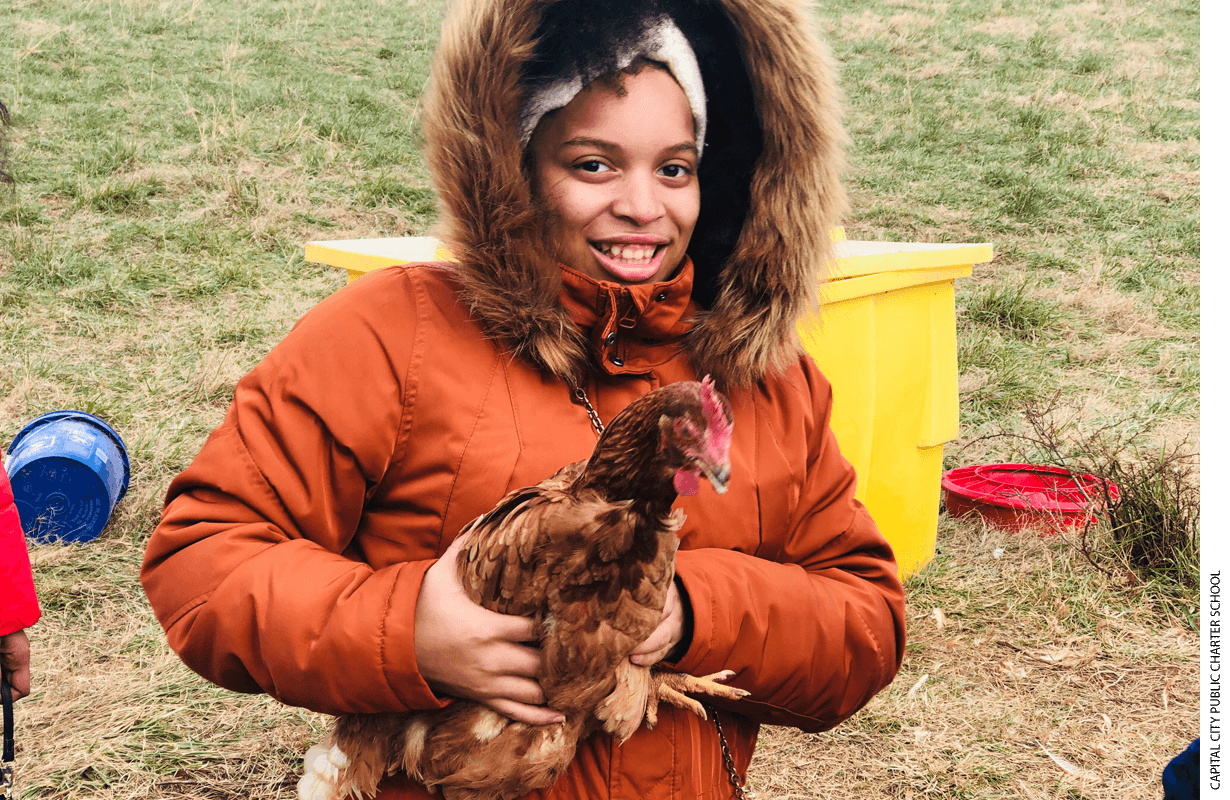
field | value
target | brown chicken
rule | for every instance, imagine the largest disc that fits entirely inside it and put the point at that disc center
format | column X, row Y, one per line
column 589, row 553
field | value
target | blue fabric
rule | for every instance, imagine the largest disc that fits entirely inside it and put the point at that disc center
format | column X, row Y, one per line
column 1180, row 778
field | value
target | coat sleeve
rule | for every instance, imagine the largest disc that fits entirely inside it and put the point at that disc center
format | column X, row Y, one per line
column 18, row 604
column 249, row 570
column 815, row 627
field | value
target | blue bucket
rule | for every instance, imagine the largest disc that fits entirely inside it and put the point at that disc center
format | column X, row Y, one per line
column 68, row 470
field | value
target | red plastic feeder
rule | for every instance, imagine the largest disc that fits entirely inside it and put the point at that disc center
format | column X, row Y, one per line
column 1016, row 496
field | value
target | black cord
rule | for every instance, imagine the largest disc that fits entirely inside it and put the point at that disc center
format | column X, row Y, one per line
column 6, row 765
column 6, row 695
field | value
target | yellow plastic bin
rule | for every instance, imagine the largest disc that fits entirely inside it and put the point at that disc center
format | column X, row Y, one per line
column 886, row 339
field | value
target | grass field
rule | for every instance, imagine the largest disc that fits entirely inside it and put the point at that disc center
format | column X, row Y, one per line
column 172, row 158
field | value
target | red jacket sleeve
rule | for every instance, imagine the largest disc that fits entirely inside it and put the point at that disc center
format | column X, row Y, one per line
column 814, row 625
column 18, row 605
column 247, row 571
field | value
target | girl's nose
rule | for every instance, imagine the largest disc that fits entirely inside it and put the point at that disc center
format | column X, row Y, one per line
column 639, row 200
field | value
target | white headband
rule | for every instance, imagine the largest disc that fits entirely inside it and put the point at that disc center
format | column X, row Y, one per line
column 663, row 42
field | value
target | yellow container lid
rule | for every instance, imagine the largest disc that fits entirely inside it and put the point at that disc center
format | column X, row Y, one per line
column 866, row 268
column 367, row 255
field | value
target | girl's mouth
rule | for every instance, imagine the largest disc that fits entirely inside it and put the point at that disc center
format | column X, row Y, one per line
column 631, row 253
column 629, row 263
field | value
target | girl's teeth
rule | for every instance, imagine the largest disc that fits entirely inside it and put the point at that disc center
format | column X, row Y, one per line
column 628, row 252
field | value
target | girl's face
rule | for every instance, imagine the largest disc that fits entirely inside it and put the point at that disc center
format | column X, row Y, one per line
column 619, row 175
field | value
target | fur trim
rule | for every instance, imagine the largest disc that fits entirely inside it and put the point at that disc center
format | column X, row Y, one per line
column 759, row 264
column 776, row 269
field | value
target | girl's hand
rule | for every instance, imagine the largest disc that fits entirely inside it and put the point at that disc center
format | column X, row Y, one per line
column 674, row 631
column 15, row 661
column 465, row 650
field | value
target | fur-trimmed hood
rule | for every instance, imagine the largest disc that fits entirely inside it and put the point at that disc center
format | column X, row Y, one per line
column 768, row 178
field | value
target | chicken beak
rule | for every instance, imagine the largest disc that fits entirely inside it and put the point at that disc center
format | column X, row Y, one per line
column 719, row 477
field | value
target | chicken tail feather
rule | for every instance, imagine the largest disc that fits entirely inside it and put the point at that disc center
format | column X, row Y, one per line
column 415, row 743
column 622, row 711
column 364, row 744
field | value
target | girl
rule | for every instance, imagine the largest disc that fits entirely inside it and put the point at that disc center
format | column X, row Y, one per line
column 636, row 193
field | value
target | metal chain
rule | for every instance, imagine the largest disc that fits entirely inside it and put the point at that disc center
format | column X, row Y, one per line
column 727, row 759
column 593, row 415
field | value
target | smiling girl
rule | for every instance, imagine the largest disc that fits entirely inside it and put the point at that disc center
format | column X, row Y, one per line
column 637, row 192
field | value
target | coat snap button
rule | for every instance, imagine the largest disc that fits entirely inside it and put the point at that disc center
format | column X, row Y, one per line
column 660, row 296
column 610, row 339
column 617, row 361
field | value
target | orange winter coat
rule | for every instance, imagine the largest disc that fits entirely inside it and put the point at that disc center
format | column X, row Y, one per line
column 291, row 552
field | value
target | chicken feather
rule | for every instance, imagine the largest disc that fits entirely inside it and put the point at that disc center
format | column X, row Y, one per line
column 588, row 554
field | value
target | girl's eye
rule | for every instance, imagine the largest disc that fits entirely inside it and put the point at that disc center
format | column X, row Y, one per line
column 593, row 166
column 674, row 170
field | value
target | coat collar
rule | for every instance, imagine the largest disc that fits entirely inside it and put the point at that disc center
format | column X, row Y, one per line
column 631, row 329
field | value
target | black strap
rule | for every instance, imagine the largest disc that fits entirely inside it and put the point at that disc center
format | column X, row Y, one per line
column 6, row 766
column 6, row 695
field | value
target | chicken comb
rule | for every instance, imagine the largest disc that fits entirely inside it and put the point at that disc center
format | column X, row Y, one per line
column 716, row 418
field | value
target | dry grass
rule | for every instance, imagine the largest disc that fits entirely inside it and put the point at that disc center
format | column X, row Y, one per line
column 115, row 714
column 1018, row 652
column 1016, row 649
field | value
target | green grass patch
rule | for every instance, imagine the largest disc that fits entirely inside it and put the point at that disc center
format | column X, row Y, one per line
column 1013, row 310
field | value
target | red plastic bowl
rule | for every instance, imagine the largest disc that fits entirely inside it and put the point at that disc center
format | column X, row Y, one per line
column 1016, row 496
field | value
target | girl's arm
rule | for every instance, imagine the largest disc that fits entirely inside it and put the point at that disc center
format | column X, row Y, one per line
column 253, row 571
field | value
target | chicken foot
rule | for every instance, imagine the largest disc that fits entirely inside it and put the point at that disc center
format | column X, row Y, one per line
column 670, row 687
